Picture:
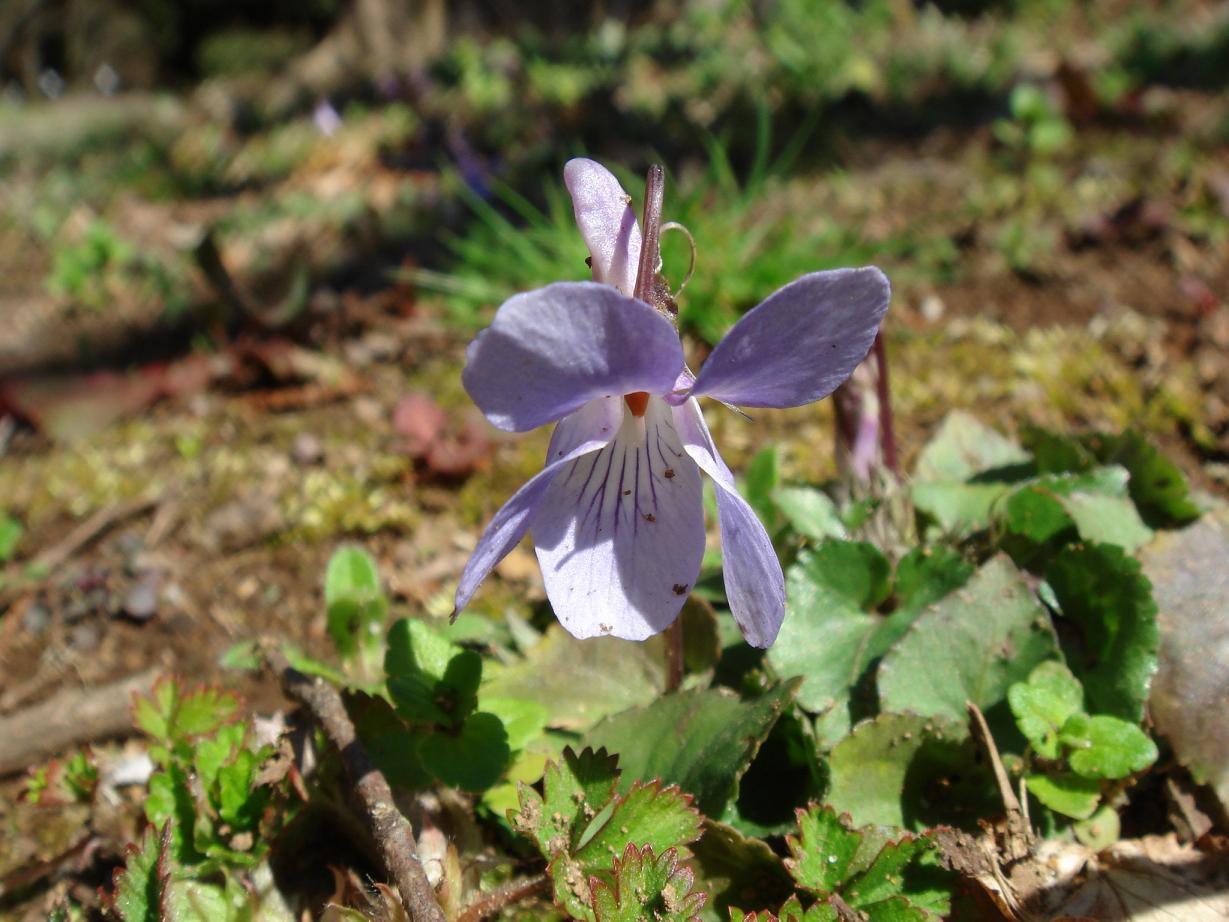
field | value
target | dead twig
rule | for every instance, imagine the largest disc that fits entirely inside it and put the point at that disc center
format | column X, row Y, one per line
column 509, row 893
column 69, row 718
column 391, row 830
column 92, row 528
column 1019, row 832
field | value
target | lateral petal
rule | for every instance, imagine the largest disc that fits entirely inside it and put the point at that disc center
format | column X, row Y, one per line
column 620, row 533
column 754, row 583
column 551, row 350
column 800, row 343
column 607, row 222
column 583, row 433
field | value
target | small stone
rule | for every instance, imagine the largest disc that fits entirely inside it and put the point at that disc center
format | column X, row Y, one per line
column 36, row 618
column 932, row 308
column 307, row 449
column 141, row 600
column 84, row 638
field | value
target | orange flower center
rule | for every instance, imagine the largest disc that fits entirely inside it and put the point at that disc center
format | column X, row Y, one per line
column 637, row 402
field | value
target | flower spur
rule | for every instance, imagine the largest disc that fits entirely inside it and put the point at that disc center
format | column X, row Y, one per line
column 616, row 513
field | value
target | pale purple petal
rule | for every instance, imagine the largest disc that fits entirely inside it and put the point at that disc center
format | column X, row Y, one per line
column 800, row 343
column 607, row 223
column 620, row 533
column 754, row 583
column 552, row 350
column 583, row 433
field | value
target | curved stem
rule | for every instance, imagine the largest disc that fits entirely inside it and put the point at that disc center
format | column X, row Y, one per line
column 650, row 229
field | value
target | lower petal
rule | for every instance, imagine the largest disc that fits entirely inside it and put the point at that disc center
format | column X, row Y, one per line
column 754, row 583
column 620, row 533
column 583, row 433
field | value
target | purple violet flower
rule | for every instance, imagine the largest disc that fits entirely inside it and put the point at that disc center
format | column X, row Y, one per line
column 616, row 513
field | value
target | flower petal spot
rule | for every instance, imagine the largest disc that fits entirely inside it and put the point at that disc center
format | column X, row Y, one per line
column 680, row 588
column 668, row 473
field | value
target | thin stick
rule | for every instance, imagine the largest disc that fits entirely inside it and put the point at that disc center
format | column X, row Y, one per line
column 886, row 425
column 391, row 830
column 509, row 893
column 674, row 655
column 650, row 229
column 91, row 528
column 1020, row 833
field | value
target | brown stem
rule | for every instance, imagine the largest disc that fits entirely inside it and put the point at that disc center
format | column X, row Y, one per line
column 506, row 895
column 674, row 655
column 886, row 427
column 650, row 227
column 391, row 830
column 1020, row 833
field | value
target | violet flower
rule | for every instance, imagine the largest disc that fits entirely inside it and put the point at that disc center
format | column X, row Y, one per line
column 616, row 513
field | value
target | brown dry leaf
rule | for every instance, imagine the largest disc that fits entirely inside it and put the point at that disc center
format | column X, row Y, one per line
column 1153, row 879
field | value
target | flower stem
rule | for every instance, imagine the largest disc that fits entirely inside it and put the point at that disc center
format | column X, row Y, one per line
column 887, row 429
column 650, row 226
column 674, row 655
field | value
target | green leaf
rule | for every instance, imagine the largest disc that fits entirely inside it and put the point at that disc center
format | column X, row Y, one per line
column 923, row 577
column 355, row 603
column 429, row 679
column 1104, row 593
column 1064, row 793
column 971, row 646
column 1106, row 747
column 1043, row 704
column 390, row 742
column 1094, row 503
column 140, row 888
column 907, row 770
column 964, row 447
column 1157, row 486
column 702, row 740
column 810, row 512
column 738, row 870
column 885, row 878
column 616, row 675
column 644, row 887
column 10, row 536
column 171, row 806
column 959, row 508
column 170, row 716
column 823, row 638
column 472, row 758
column 853, row 569
column 523, row 720
column 822, row 851
column 762, row 474
column 1099, row 831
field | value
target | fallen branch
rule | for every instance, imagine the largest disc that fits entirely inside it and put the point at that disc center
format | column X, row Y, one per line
column 69, row 718
column 391, row 830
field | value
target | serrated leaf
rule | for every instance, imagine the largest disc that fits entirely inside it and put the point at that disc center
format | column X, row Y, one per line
column 140, row 887
column 702, row 740
column 1065, row 793
column 661, row 817
column 574, row 790
column 170, row 805
column 822, row 851
column 430, row 679
column 1105, row 594
column 1044, row 703
column 971, row 646
column 910, row 771
column 617, row 675
column 354, row 602
column 196, row 901
column 1106, row 747
column 471, row 758
column 170, row 715
column 885, row 879
column 810, row 512
column 645, row 887
column 964, row 447
column 896, row 909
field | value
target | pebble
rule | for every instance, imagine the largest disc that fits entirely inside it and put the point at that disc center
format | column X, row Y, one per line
column 84, row 638
column 141, row 600
column 36, row 618
column 307, row 449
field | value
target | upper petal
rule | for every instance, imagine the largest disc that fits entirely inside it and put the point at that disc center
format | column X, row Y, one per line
column 620, row 533
column 754, row 583
column 552, row 350
column 607, row 222
column 583, row 433
column 800, row 343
